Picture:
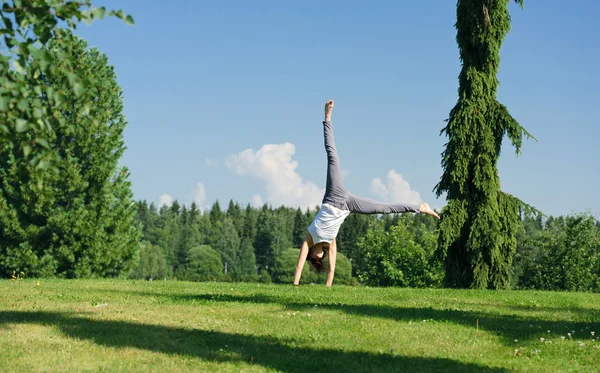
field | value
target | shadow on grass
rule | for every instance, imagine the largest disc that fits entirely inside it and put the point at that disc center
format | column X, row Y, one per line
column 507, row 326
column 267, row 352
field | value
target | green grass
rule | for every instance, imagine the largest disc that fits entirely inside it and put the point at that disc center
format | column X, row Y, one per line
column 139, row 326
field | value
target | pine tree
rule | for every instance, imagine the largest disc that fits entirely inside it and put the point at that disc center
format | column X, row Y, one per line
column 234, row 212
column 271, row 239
column 479, row 224
column 28, row 28
column 300, row 228
column 190, row 234
column 247, row 260
column 354, row 228
column 227, row 243
column 78, row 221
column 216, row 215
column 176, row 208
column 249, row 226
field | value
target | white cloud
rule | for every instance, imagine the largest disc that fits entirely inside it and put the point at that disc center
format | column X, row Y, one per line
column 165, row 199
column 257, row 201
column 273, row 164
column 210, row 163
column 199, row 194
column 395, row 189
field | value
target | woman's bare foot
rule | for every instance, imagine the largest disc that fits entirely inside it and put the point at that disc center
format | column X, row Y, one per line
column 425, row 209
column 328, row 110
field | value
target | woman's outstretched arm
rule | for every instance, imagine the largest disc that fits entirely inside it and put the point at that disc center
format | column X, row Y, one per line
column 302, row 259
column 332, row 259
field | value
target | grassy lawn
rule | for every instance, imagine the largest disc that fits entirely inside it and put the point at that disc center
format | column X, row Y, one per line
column 106, row 325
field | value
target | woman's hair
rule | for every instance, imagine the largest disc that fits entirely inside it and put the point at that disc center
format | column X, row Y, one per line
column 317, row 263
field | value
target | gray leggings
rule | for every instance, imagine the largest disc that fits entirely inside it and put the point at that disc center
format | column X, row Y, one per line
column 337, row 195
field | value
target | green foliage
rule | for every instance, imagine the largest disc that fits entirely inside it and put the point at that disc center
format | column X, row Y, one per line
column 234, row 213
column 79, row 220
column 247, row 261
column 265, row 278
column 400, row 257
column 343, row 270
column 527, row 247
column 202, row 264
column 568, row 256
column 152, row 264
column 216, row 215
column 300, row 228
column 169, row 234
column 271, row 239
column 227, row 243
column 28, row 27
column 190, row 233
column 249, row 224
column 404, row 243
column 354, row 228
column 286, row 266
column 479, row 225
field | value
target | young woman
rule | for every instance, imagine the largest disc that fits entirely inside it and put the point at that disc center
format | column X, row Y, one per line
column 337, row 204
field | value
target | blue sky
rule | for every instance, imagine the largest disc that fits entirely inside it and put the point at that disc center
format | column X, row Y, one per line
column 224, row 98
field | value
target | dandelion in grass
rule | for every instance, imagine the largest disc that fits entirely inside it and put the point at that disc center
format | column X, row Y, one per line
column 562, row 337
column 593, row 333
column 516, row 340
column 542, row 339
column 569, row 334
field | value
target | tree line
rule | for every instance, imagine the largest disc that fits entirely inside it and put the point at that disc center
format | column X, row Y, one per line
column 244, row 243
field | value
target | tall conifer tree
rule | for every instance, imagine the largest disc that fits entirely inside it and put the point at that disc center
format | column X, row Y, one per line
column 479, row 224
